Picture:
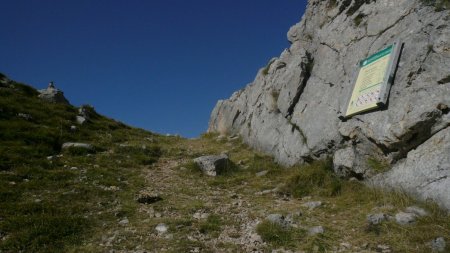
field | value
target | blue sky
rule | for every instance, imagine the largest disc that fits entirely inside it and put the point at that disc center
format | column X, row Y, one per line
column 158, row 64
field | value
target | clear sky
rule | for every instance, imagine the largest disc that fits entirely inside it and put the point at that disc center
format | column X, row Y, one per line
column 156, row 64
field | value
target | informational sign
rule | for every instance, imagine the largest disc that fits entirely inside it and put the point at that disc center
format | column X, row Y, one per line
column 374, row 80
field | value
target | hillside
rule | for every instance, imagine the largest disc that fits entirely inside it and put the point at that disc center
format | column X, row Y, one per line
column 137, row 191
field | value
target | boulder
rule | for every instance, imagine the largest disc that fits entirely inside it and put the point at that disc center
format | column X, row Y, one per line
column 53, row 95
column 213, row 165
column 291, row 109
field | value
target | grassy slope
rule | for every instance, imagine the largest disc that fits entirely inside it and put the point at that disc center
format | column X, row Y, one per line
column 49, row 206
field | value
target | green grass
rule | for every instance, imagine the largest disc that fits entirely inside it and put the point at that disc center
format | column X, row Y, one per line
column 317, row 177
column 212, row 225
column 266, row 69
column 279, row 236
column 359, row 19
column 439, row 5
column 377, row 165
column 45, row 206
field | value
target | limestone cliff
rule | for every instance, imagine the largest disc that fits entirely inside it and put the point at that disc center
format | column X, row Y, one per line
column 291, row 109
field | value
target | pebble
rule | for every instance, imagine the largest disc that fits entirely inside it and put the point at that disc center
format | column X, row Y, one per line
column 161, row 228
column 316, row 230
column 262, row 173
column 376, row 218
column 124, row 222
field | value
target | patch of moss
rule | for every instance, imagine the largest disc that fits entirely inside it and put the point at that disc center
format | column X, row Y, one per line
column 359, row 19
column 377, row 165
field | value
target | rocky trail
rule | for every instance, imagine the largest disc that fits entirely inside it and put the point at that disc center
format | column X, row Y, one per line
column 183, row 210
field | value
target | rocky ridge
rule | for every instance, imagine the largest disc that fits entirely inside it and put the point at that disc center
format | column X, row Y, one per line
column 291, row 109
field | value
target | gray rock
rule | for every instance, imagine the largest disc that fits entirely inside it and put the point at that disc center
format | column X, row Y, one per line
column 124, row 222
column 213, row 165
column 278, row 219
column 262, row 173
column 425, row 172
column 162, row 228
column 316, row 230
column 73, row 128
column 419, row 212
column 53, row 95
column 80, row 120
column 68, row 145
column 438, row 244
column 25, row 116
column 376, row 218
column 290, row 110
column 405, row 218
column 312, row 204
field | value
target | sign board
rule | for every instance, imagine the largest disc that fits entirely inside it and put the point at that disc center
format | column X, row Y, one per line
column 374, row 80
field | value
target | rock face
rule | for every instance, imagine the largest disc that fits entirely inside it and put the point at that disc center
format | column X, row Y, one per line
column 291, row 109
column 53, row 95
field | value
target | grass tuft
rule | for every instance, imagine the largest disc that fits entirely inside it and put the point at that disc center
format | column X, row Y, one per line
column 317, row 177
column 278, row 235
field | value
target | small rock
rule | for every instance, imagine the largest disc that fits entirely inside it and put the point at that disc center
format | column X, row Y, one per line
column 12, row 183
column 200, row 215
column 73, row 168
column 376, row 218
column 124, row 221
column 161, row 228
column 267, row 191
column 438, row 244
column 405, row 218
column 213, row 165
column 262, row 173
column 77, row 145
column 24, row 116
column 279, row 219
column 80, row 120
column 73, row 128
column 383, row 248
column 346, row 245
column 420, row 212
column 316, row 230
column 312, row 204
